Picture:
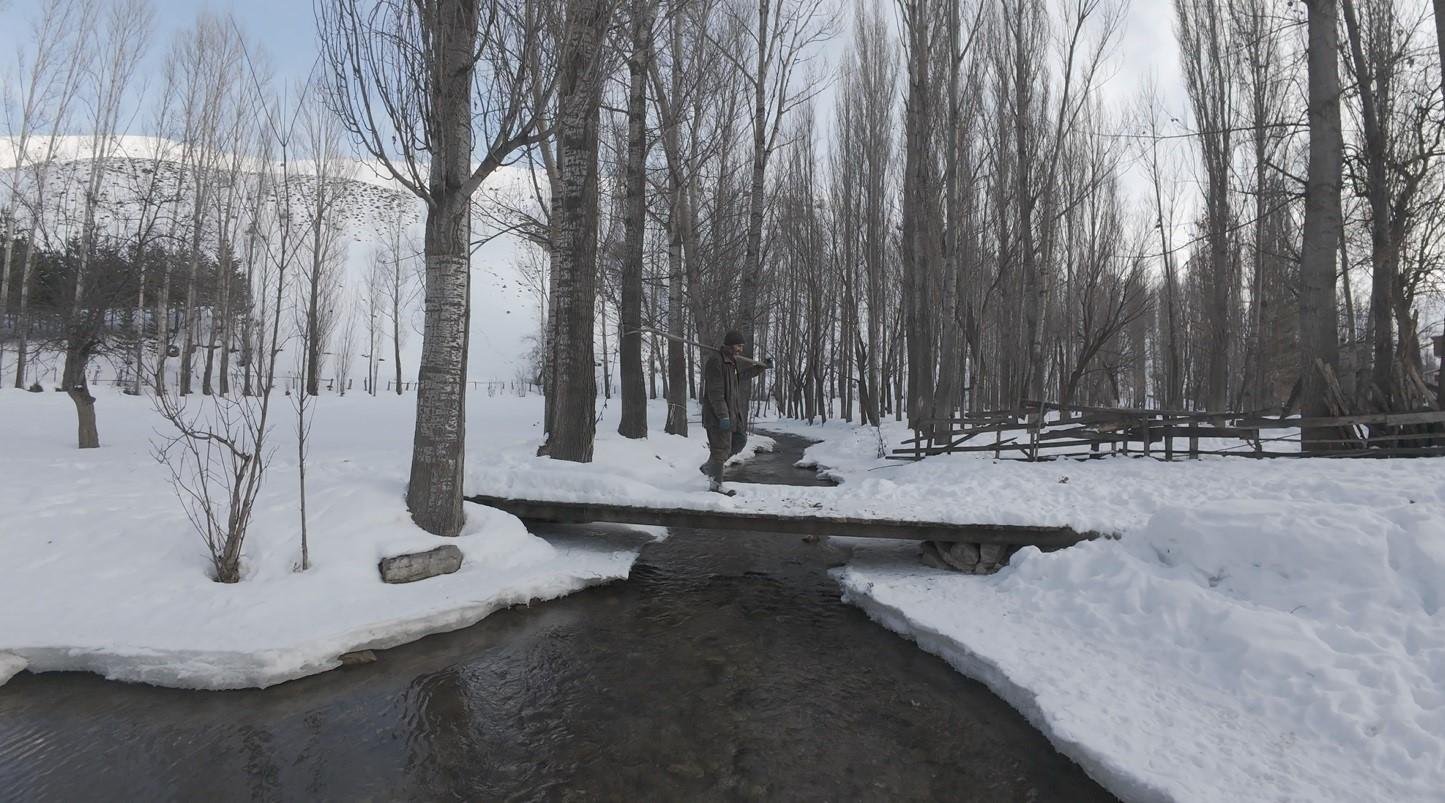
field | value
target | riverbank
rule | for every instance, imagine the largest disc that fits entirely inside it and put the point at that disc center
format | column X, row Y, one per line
column 725, row 667
column 1262, row 630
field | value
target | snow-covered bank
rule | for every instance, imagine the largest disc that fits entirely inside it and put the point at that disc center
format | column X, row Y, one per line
column 1263, row 630
column 101, row 572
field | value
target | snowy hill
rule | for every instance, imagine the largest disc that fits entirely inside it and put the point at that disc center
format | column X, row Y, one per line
column 368, row 202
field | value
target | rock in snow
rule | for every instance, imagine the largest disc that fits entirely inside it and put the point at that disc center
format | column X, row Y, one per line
column 420, row 565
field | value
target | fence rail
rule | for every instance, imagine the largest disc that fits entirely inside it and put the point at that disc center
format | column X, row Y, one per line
column 1044, row 431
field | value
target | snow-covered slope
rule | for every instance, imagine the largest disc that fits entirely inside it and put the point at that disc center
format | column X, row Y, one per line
column 368, row 202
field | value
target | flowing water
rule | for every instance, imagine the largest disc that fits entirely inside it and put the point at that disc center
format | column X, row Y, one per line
column 725, row 668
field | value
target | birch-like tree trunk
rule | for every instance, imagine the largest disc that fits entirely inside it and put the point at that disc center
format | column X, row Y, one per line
column 434, row 491
column 456, row 73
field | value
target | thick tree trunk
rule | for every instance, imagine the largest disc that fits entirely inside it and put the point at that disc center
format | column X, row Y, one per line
column 74, row 382
column 574, row 254
column 1319, row 336
column 434, row 493
column 920, row 211
column 434, row 489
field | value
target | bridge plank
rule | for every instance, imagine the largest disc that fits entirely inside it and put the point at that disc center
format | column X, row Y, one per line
column 581, row 512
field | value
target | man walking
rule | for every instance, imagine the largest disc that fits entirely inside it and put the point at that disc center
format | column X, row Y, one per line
column 725, row 405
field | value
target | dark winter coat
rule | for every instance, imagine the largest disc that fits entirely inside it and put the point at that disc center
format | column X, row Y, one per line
column 722, row 390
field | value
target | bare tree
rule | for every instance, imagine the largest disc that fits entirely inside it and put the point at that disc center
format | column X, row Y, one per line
column 219, row 450
column 634, row 401
column 1208, row 51
column 205, row 63
column 52, row 80
column 121, row 46
column 783, row 34
column 413, row 83
column 581, row 67
column 345, row 352
column 321, row 275
column 373, row 308
column 399, row 287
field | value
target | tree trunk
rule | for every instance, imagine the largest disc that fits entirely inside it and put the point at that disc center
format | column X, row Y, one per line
column 23, row 325
column 140, row 321
column 752, row 268
column 396, row 320
column 434, row 489
column 188, row 337
column 1440, row 49
column 7, row 247
column 634, row 403
column 73, row 380
column 676, row 322
column 1319, row 336
column 224, row 277
column 920, row 212
column 313, row 302
column 163, row 325
column 574, row 255
column 1383, row 253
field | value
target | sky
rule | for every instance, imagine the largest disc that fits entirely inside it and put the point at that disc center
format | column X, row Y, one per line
column 285, row 31
column 286, row 28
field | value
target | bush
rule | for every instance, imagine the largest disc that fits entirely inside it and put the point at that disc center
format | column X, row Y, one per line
column 35, row 388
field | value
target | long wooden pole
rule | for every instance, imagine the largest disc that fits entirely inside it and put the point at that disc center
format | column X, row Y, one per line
column 746, row 362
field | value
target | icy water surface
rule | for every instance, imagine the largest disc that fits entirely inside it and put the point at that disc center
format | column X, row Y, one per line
column 725, row 668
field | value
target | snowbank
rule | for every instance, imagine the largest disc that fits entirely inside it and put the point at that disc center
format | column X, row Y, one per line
column 1262, row 630
column 101, row 572
column 660, row 470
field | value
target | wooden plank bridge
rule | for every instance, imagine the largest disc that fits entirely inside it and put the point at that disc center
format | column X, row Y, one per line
column 790, row 523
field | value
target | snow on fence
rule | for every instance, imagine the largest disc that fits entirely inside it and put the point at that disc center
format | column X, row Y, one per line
column 1045, row 431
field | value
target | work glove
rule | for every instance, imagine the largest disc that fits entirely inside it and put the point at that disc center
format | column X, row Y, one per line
column 726, row 424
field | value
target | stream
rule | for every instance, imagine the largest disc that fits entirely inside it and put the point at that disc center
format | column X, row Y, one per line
column 725, row 668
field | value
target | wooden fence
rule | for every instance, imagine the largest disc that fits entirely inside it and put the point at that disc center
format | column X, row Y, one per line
column 1042, row 431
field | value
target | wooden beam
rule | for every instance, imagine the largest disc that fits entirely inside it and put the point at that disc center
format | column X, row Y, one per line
column 581, row 512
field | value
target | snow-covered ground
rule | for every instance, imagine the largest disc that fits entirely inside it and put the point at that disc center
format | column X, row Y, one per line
column 1262, row 630
column 101, row 572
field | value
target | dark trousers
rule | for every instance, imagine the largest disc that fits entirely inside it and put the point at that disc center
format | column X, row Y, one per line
column 722, row 444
